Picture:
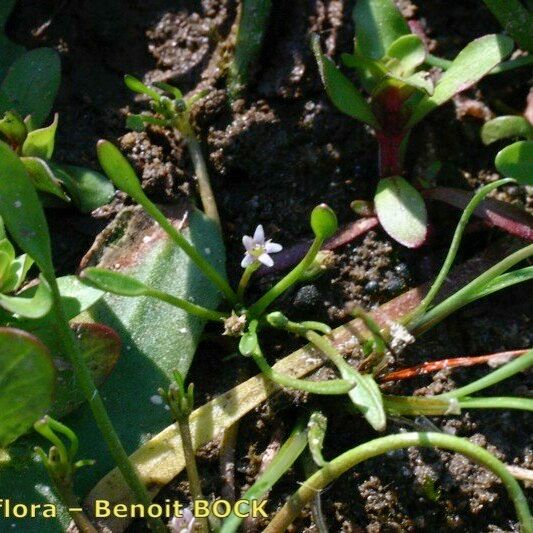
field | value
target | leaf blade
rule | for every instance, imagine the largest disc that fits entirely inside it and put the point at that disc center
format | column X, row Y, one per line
column 401, row 211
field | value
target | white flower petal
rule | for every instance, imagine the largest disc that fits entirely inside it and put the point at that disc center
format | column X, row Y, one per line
column 259, row 235
column 273, row 247
column 248, row 242
column 247, row 260
column 266, row 260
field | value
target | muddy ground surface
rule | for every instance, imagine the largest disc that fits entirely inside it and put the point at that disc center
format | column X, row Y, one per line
column 273, row 156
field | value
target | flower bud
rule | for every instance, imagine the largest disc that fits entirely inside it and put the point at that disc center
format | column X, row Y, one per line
column 323, row 221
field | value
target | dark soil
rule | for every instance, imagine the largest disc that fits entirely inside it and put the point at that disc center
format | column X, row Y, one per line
column 273, row 156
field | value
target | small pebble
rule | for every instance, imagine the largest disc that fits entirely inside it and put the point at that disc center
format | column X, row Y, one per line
column 372, row 287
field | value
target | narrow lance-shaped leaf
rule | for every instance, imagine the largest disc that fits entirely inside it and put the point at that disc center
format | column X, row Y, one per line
column 22, row 212
column 378, row 23
column 401, row 211
column 516, row 161
column 475, row 60
column 341, row 90
column 504, row 127
column 27, row 376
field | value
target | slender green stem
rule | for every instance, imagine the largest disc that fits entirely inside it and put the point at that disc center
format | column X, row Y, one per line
column 86, row 383
column 204, row 184
column 290, row 279
column 195, row 485
column 284, row 459
column 436, row 405
column 70, row 500
column 338, row 466
column 497, row 402
column 454, row 247
column 209, row 271
column 245, row 279
column 468, row 293
column 325, row 346
column 193, row 309
column 504, row 372
column 333, row 386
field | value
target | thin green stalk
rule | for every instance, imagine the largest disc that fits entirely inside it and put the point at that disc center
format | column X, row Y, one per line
column 195, row 485
column 86, row 383
column 467, row 294
column 193, row 309
column 338, row 466
column 504, row 372
column 204, row 184
column 454, row 247
column 333, row 386
column 290, row 279
column 325, row 346
column 436, row 405
column 204, row 265
column 498, row 402
column 284, row 459
column 245, row 279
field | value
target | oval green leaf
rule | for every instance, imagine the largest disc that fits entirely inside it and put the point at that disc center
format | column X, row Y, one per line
column 118, row 169
column 26, row 382
column 137, row 86
column 516, row 161
column 401, row 211
column 504, row 127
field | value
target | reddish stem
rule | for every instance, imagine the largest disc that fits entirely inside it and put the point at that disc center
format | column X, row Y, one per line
column 456, row 362
column 390, row 157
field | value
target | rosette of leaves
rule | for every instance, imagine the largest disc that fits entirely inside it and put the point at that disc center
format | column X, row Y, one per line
column 388, row 61
column 83, row 187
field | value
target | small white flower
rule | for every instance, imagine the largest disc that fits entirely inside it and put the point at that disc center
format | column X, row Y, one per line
column 184, row 523
column 258, row 250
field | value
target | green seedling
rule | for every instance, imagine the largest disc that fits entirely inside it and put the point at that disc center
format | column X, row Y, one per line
column 180, row 400
column 61, row 465
column 389, row 63
column 171, row 110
